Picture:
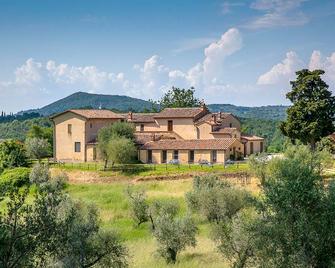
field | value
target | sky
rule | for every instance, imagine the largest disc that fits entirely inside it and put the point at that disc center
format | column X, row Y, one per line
column 242, row 52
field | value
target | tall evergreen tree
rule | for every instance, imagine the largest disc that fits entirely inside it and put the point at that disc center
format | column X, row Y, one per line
column 312, row 114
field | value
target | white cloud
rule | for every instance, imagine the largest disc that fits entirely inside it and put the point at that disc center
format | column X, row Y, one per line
column 317, row 61
column 29, row 73
column 281, row 72
column 284, row 72
column 49, row 80
column 277, row 13
column 216, row 52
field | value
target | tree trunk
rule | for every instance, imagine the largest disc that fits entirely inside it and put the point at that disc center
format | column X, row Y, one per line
column 172, row 255
column 105, row 164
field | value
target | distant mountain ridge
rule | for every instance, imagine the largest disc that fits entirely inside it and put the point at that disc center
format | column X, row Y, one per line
column 125, row 103
column 94, row 101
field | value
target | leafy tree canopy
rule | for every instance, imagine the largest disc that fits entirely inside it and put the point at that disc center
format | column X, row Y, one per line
column 312, row 114
column 295, row 229
column 12, row 154
column 179, row 98
column 37, row 148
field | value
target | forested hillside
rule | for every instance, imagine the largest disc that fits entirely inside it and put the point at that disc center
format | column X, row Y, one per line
column 18, row 129
column 269, row 129
column 125, row 104
column 270, row 112
column 93, row 101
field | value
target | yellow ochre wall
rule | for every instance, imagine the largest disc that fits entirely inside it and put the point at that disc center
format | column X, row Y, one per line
column 97, row 124
column 148, row 127
column 184, row 127
column 257, row 146
column 183, row 156
column 231, row 119
column 64, row 142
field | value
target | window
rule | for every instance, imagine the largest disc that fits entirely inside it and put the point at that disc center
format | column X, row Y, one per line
column 91, row 125
column 214, row 156
column 69, row 129
column 164, row 156
column 122, row 120
column 149, row 156
column 175, row 154
column 251, row 147
column 77, row 147
column 230, row 125
column 191, row 157
column 261, row 145
column 142, row 127
column 170, row 125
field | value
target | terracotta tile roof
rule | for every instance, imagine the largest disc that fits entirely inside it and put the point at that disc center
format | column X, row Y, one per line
column 251, row 138
column 181, row 112
column 144, row 137
column 141, row 117
column 209, row 118
column 226, row 130
column 93, row 114
column 210, row 144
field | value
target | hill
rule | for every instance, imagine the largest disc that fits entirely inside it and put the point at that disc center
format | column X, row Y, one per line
column 94, row 101
column 270, row 112
column 125, row 103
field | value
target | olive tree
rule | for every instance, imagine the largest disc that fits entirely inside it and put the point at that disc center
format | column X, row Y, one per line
column 37, row 148
column 51, row 230
column 214, row 199
column 139, row 205
column 174, row 235
column 86, row 244
column 113, row 140
column 235, row 238
column 298, row 210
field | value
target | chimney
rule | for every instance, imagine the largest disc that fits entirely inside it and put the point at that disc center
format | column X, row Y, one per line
column 214, row 118
column 130, row 116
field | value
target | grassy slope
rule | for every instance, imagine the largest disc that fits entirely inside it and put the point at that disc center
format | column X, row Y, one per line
column 113, row 204
column 114, row 208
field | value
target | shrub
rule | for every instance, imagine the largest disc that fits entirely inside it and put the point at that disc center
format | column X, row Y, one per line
column 16, row 177
column 215, row 199
column 12, row 154
column 139, row 206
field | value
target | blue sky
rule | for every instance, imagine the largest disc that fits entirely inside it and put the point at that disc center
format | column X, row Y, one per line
column 239, row 52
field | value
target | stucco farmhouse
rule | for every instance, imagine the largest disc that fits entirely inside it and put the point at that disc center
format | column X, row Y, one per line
column 190, row 135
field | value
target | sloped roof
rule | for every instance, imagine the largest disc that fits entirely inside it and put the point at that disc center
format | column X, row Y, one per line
column 142, row 117
column 251, row 138
column 180, row 112
column 144, row 137
column 210, row 144
column 226, row 130
column 92, row 114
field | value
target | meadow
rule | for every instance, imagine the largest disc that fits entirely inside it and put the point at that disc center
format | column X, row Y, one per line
column 111, row 199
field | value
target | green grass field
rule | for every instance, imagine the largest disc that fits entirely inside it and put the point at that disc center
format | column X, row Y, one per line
column 150, row 169
column 113, row 204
